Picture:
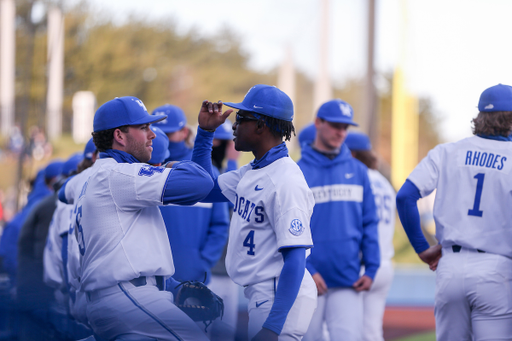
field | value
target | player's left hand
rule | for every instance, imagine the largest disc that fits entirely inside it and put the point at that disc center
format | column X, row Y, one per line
column 265, row 335
column 211, row 116
column 364, row 283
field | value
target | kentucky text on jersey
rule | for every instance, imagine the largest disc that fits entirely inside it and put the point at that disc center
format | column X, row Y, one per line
column 337, row 192
column 484, row 159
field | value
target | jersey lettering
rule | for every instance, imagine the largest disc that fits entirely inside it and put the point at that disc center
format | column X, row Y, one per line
column 338, row 192
column 475, row 211
column 79, row 231
column 84, row 189
column 243, row 207
column 259, row 214
column 249, row 242
column 383, row 204
column 148, row 170
column 487, row 160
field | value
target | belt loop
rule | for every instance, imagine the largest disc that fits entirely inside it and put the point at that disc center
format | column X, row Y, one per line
column 456, row 248
column 160, row 283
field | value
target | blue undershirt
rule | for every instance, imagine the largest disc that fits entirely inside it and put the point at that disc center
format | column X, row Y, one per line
column 292, row 273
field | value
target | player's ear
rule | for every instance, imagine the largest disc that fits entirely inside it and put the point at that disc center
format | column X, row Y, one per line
column 119, row 137
column 260, row 127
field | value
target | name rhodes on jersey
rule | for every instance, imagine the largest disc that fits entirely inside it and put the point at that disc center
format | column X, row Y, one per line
column 484, row 159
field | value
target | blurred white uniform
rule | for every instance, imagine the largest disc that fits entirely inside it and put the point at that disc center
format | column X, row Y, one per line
column 374, row 300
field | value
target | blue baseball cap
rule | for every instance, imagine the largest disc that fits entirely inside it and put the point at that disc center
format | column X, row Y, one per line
column 224, row 131
column 123, row 111
column 71, row 164
column 160, row 147
column 337, row 111
column 358, row 141
column 175, row 120
column 496, row 98
column 89, row 149
column 266, row 100
column 307, row 134
column 53, row 169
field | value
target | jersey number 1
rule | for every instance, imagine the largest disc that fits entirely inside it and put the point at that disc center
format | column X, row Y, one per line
column 475, row 211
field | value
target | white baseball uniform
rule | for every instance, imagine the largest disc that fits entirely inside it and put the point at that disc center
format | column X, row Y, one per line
column 374, row 300
column 272, row 210
column 122, row 237
column 473, row 224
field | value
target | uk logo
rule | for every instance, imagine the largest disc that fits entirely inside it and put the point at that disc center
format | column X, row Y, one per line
column 139, row 102
column 296, row 227
column 345, row 110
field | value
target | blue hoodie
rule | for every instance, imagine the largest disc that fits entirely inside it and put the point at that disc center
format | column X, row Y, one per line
column 344, row 228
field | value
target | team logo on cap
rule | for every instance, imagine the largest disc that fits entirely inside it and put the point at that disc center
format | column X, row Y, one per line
column 296, row 227
column 345, row 109
column 489, row 106
column 139, row 102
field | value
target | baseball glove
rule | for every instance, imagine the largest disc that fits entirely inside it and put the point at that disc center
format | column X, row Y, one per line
column 198, row 302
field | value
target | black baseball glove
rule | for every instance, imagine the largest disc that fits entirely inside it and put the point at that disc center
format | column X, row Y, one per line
column 198, row 302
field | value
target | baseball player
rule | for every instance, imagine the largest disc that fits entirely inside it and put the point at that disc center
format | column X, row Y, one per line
column 374, row 300
column 473, row 298
column 269, row 232
column 125, row 252
column 176, row 129
column 343, row 224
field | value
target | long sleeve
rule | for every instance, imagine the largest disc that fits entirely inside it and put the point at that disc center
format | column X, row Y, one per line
column 406, row 205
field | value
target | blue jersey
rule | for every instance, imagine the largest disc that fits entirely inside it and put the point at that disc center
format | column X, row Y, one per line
column 344, row 221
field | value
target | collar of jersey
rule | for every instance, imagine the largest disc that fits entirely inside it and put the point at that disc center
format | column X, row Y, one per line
column 496, row 137
column 272, row 155
column 119, row 156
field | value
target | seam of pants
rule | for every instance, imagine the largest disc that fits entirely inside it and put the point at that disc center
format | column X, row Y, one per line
column 138, row 305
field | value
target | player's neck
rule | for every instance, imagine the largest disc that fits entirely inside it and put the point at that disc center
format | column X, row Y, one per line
column 265, row 145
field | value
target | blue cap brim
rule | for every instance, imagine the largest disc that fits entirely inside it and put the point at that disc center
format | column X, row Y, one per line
column 352, row 123
column 149, row 119
column 240, row 106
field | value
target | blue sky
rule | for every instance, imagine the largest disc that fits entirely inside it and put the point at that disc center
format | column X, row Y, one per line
column 455, row 48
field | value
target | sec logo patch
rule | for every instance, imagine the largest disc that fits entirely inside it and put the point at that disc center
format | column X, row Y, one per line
column 296, row 227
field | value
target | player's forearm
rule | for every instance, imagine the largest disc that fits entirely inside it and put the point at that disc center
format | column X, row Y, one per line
column 187, row 184
column 288, row 287
column 406, row 199
column 202, row 153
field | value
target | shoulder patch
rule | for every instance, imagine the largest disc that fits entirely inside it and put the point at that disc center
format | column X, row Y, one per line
column 296, row 227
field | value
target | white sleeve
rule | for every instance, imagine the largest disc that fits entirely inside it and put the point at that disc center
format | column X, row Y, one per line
column 426, row 174
column 135, row 186
column 228, row 182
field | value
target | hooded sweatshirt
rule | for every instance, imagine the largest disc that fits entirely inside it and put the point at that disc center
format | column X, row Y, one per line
column 344, row 221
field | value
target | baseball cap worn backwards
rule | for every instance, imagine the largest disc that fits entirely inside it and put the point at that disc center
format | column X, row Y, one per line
column 266, row 100
column 496, row 98
column 337, row 111
column 175, row 120
column 358, row 141
column 123, row 111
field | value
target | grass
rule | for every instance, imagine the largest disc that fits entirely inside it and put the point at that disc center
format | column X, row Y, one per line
column 430, row 336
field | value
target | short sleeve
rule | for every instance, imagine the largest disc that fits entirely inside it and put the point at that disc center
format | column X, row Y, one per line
column 135, row 186
column 425, row 176
column 228, row 182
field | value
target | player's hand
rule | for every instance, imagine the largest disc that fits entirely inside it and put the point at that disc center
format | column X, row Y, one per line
column 431, row 256
column 265, row 335
column 321, row 287
column 211, row 116
column 364, row 283
column 231, row 152
column 171, row 163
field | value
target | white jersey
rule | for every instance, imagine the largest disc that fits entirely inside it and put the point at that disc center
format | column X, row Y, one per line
column 273, row 207
column 474, row 193
column 385, row 200
column 52, row 258
column 120, row 231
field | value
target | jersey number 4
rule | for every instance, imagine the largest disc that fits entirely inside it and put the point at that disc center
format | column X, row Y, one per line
column 475, row 211
column 249, row 242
